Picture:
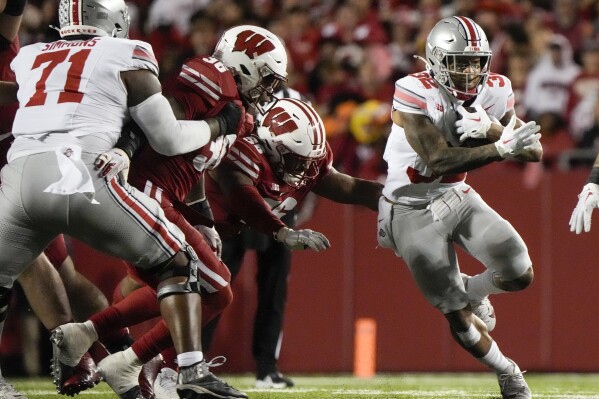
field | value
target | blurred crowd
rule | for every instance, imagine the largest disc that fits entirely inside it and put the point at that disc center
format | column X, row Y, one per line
column 345, row 56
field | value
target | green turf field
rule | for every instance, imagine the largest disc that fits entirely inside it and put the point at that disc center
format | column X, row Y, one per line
column 384, row 386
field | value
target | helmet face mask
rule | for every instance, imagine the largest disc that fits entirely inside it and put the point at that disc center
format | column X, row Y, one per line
column 93, row 18
column 258, row 60
column 458, row 56
column 294, row 140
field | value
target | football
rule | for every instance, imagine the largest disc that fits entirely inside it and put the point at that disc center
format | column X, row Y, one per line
column 471, row 142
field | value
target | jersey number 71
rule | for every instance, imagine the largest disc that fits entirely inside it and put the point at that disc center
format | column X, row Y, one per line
column 70, row 92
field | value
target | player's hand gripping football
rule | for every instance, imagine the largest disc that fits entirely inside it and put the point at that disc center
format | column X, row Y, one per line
column 588, row 200
column 512, row 141
column 112, row 163
column 302, row 239
column 212, row 238
column 473, row 125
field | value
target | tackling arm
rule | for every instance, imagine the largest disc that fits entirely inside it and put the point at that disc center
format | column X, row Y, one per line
column 346, row 189
column 167, row 135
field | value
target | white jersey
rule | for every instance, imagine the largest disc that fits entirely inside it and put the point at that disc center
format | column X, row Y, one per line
column 409, row 180
column 71, row 92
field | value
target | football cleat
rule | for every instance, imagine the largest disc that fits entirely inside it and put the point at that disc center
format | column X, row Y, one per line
column 121, row 375
column 7, row 391
column 482, row 308
column 148, row 375
column 165, row 386
column 84, row 376
column 197, row 382
column 68, row 349
column 513, row 385
column 274, row 380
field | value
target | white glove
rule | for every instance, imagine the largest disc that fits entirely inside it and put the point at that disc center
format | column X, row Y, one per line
column 588, row 200
column 302, row 239
column 112, row 163
column 512, row 141
column 472, row 124
column 212, row 238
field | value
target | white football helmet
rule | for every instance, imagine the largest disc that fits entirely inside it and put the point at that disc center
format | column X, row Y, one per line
column 93, row 18
column 257, row 58
column 294, row 140
column 450, row 47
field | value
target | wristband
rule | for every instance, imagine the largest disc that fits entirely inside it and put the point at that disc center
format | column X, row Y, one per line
column 594, row 176
column 202, row 206
column 14, row 8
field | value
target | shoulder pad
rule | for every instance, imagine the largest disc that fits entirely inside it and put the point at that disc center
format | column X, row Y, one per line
column 209, row 78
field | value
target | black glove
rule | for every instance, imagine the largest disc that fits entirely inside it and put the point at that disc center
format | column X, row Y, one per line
column 132, row 139
column 229, row 119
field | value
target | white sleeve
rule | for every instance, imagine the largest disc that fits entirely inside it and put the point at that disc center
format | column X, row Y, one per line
column 166, row 134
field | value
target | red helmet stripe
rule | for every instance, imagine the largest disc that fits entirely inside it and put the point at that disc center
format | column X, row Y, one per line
column 75, row 12
column 470, row 28
column 314, row 121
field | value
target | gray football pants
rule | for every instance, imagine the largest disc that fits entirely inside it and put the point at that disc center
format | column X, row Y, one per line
column 125, row 224
column 424, row 236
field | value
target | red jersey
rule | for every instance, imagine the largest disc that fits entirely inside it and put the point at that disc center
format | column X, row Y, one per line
column 203, row 87
column 248, row 157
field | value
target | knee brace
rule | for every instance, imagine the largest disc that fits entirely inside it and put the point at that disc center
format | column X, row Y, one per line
column 5, row 294
column 192, row 285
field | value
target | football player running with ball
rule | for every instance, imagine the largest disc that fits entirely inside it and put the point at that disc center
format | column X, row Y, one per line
column 427, row 208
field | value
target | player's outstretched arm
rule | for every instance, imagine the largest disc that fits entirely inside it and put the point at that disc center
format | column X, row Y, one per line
column 588, row 199
column 346, row 189
column 167, row 135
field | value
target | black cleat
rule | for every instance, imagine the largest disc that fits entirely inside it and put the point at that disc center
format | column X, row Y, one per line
column 197, row 382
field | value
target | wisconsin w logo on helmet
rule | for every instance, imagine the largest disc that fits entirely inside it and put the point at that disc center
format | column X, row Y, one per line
column 258, row 60
column 253, row 43
column 279, row 121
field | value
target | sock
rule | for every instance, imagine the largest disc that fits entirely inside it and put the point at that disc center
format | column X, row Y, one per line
column 153, row 342
column 91, row 329
column 131, row 357
column 189, row 358
column 139, row 306
column 482, row 285
column 498, row 362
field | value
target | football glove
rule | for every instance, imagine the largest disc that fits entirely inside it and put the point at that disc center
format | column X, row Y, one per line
column 212, row 238
column 472, row 124
column 512, row 141
column 231, row 118
column 302, row 239
column 114, row 162
column 588, row 200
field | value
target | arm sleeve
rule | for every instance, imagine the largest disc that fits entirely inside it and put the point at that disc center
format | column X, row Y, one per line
column 249, row 206
column 166, row 134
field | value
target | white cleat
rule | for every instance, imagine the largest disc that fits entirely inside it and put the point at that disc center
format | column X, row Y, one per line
column 482, row 308
column 71, row 341
column 119, row 373
column 513, row 385
column 165, row 385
